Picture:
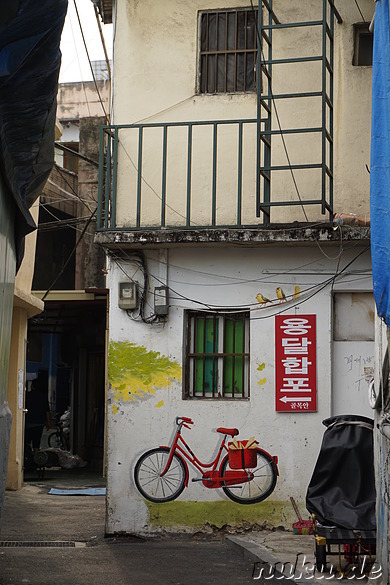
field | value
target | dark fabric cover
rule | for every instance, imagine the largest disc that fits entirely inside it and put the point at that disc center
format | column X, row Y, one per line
column 30, row 58
column 342, row 489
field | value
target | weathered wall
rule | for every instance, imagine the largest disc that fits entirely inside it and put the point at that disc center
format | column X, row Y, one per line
column 89, row 256
column 155, row 79
column 80, row 99
column 145, row 375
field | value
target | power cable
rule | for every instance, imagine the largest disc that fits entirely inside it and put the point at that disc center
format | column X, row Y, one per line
column 70, row 256
column 360, row 12
column 90, row 63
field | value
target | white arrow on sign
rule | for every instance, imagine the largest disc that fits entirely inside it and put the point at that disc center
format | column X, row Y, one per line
column 301, row 399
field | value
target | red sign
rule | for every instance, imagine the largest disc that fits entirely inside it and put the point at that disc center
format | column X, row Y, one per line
column 295, row 363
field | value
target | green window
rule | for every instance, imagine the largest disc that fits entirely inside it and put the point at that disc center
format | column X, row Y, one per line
column 217, row 355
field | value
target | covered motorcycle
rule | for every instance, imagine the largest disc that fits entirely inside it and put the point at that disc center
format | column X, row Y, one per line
column 341, row 492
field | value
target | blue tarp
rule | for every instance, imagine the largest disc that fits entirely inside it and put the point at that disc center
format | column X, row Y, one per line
column 30, row 58
column 380, row 161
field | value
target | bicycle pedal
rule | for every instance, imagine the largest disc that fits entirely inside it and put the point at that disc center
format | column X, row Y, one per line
column 197, row 479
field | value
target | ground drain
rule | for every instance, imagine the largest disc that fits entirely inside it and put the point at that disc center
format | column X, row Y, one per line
column 41, row 544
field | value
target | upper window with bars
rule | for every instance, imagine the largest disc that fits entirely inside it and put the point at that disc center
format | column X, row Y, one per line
column 228, row 51
column 217, row 355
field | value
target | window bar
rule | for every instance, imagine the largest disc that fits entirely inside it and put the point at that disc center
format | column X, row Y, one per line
column 164, row 176
column 100, row 184
column 234, row 356
column 332, row 17
column 114, row 178
column 245, row 46
column 216, row 55
column 189, row 171
column 235, row 50
column 214, row 370
column 204, row 355
column 239, row 175
column 323, row 137
column 108, row 179
column 226, row 48
column 193, row 320
column 206, row 84
column 139, row 185
column 244, row 350
column 214, row 192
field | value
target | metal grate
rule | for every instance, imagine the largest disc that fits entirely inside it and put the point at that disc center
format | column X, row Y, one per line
column 41, row 544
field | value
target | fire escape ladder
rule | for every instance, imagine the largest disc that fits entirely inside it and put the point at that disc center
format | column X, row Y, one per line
column 269, row 124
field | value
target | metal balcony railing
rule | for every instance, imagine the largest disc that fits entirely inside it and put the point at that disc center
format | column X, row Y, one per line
column 234, row 173
column 178, row 175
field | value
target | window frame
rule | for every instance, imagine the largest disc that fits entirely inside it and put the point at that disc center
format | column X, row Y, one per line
column 360, row 29
column 237, row 50
column 224, row 363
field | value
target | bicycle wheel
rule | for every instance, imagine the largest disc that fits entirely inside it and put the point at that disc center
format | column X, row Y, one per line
column 261, row 486
column 148, row 480
column 54, row 441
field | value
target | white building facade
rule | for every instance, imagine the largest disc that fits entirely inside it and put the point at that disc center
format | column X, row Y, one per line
column 216, row 245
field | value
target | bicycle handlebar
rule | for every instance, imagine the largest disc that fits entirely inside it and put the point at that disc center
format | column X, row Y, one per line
column 184, row 419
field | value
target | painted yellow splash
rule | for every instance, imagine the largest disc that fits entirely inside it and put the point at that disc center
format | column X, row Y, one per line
column 160, row 404
column 262, row 381
column 136, row 373
column 115, row 408
column 261, row 367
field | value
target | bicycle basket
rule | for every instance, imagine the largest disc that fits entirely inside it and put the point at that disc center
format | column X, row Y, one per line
column 242, row 454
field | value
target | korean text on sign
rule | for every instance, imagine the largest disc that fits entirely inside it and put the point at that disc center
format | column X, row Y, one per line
column 295, row 363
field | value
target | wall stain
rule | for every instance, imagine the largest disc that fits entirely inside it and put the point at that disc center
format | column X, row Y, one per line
column 197, row 515
column 136, row 373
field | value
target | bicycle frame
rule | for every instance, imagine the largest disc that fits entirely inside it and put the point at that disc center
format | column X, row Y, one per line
column 212, row 478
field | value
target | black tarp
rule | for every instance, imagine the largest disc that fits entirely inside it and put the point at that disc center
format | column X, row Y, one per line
column 342, row 488
column 30, row 58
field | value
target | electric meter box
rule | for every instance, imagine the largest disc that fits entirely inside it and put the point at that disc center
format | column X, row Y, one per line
column 127, row 296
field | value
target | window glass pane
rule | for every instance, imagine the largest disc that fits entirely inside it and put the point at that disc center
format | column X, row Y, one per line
column 211, row 73
column 203, row 32
column 250, row 83
column 221, row 43
column 212, row 32
column 241, row 29
column 221, row 59
column 251, row 31
column 240, row 71
column 230, row 72
column 203, row 74
column 231, row 32
column 365, row 49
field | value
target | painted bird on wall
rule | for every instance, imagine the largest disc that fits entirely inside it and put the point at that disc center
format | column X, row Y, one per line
column 262, row 299
column 280, row 294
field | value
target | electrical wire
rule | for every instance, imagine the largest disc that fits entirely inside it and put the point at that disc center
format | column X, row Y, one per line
column 90, row 63
column 218, row 308
column 360, row 12
column 70, row 256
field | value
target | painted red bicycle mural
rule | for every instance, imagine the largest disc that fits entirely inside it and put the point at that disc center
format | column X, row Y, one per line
column 161, row 474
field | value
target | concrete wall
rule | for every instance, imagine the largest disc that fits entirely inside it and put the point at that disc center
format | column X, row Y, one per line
column 80, row 99
column 7, row 278
column 155, row 79
column 146, row 369
column 25, row 305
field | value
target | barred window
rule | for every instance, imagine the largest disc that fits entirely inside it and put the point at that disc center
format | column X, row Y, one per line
column 217, row 355
column 228, row 51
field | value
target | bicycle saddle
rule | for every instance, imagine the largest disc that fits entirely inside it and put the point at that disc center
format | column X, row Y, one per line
column 231, row 432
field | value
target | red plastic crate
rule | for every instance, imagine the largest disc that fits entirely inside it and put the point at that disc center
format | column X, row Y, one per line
column 242, row 458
